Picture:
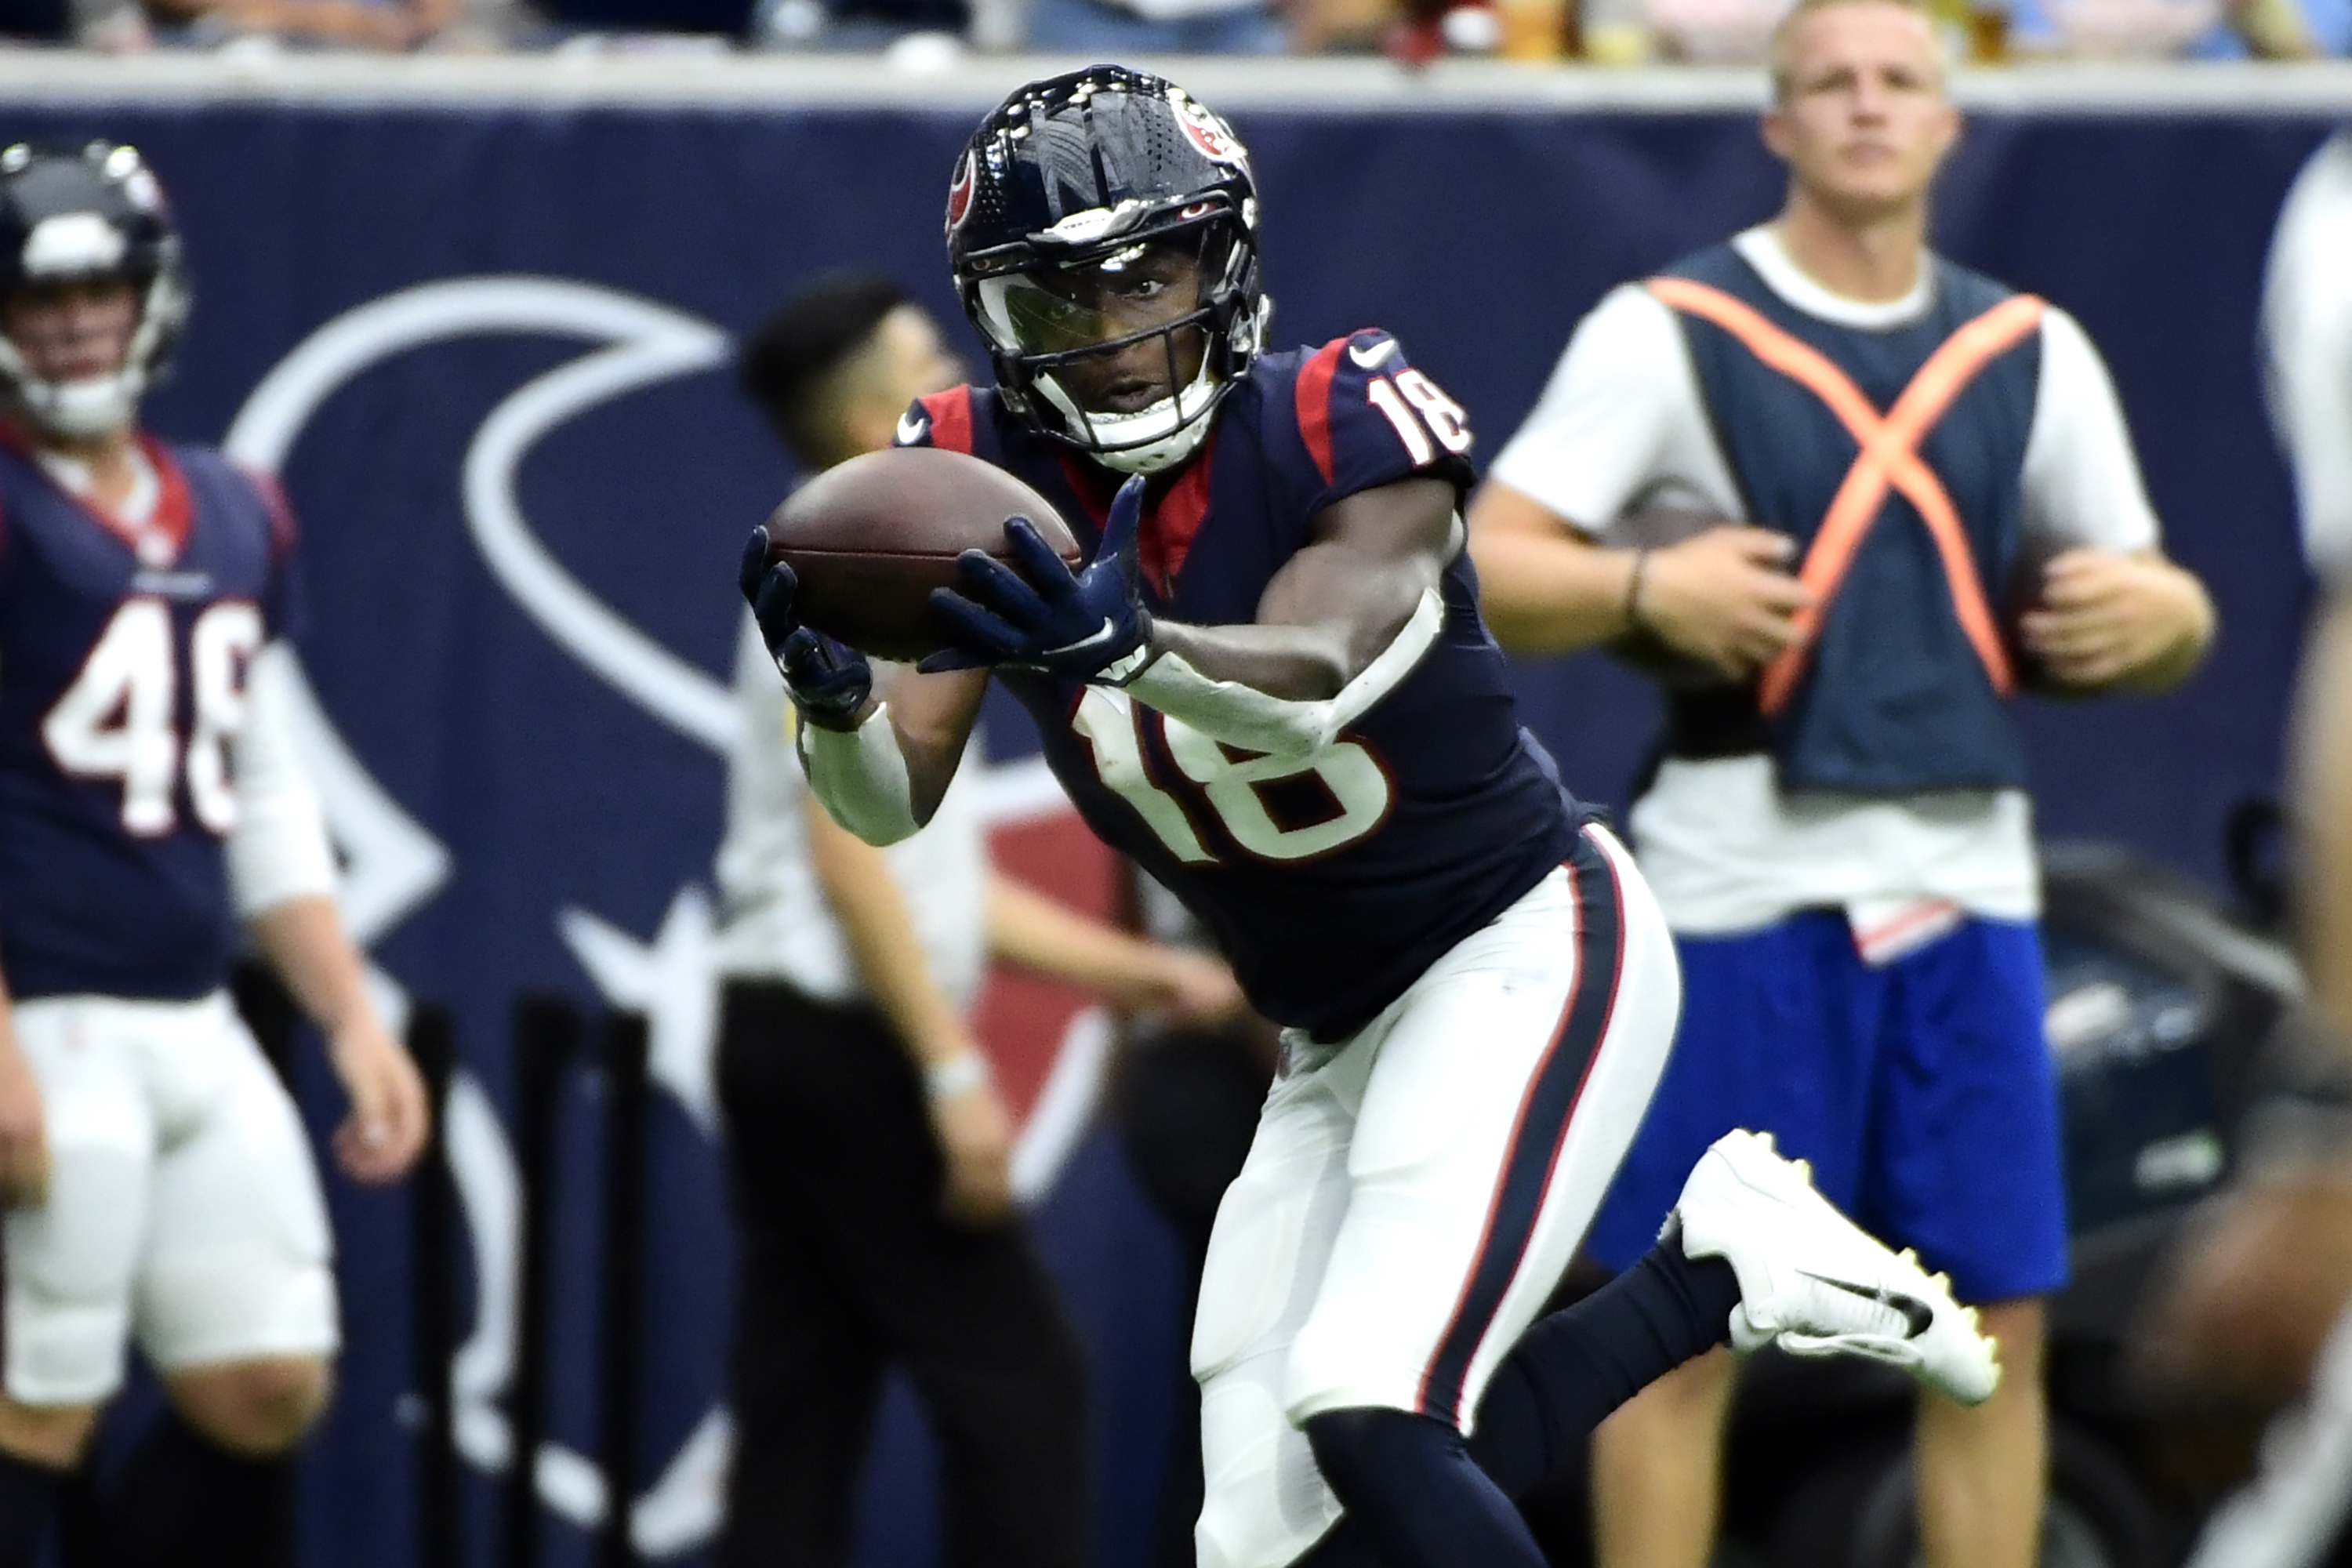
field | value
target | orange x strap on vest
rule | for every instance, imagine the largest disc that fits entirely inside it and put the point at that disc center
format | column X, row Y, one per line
column 1888, row 458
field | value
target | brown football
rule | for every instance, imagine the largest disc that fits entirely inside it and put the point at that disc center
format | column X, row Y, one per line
column 871, row 537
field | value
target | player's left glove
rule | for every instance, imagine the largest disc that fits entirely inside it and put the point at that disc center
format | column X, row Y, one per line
column 1038, row 613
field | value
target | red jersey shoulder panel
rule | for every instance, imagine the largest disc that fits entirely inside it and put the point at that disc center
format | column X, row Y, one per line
column 1314, row 394
column 940, row 419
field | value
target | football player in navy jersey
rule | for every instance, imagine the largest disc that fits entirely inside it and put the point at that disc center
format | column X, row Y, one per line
column 159, row 1182
column 1270, row 686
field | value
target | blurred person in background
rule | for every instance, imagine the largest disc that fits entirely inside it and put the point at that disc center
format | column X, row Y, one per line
column 1838, row 828
column 2254, row 1306
column 1736, row 32
column 159, row 1182
column 869, row 1147
column 1115, row 29
column 389, row 26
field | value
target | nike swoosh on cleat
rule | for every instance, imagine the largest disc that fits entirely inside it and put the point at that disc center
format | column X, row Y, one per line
column 911, row 427
column 1915, row 1312
column 1366, row 358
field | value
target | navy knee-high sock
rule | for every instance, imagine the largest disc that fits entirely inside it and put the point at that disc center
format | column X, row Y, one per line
column 183, row 1501
column 1415, row 1494
column 1574, row 1367
column 28, row 1496
column 1566, row 1373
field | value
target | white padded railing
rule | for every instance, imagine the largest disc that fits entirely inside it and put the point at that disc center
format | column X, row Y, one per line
column 733, row 83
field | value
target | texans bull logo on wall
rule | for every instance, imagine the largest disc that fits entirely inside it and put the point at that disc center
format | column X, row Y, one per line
column 1049, row 1049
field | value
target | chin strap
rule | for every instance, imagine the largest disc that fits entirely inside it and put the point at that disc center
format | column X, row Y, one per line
column 98, row 405
column 1244, row 716
column 1121, row 442
column 861, row 776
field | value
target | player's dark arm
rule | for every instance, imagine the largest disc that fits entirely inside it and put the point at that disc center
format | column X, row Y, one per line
column 1336, row 604
column 933, row 716
column 1337, row 627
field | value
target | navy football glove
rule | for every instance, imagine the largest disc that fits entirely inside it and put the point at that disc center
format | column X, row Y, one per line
column 829, row 680
column 1040, row 615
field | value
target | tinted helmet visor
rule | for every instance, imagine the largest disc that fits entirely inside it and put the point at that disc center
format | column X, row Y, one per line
column 1099, row 307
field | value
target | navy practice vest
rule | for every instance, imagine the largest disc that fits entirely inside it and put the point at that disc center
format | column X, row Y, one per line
column 1910, row 544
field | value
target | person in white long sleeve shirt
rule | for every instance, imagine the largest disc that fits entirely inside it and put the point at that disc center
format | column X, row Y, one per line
column 869, row 1146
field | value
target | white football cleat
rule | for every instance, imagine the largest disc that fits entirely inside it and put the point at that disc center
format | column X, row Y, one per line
column 1813, row 1281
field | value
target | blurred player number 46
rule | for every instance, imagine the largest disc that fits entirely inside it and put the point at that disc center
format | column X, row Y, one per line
column 871, row 537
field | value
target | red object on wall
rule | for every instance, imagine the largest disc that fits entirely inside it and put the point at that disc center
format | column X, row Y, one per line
column 1022, row 1017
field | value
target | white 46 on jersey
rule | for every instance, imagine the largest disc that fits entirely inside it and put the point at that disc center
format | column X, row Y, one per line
column 1231, row 786
column 115, row 721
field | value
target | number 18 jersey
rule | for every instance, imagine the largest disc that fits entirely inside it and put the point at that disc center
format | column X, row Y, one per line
column 1330, row 881
column 122, row 661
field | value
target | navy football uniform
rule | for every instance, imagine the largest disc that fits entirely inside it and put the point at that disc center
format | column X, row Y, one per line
column 1331, row 882
column 122, row 660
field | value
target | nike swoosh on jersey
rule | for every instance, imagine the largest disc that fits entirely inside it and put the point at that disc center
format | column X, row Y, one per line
column 1915, row 1312
column 911, row 427
column 1366, row 358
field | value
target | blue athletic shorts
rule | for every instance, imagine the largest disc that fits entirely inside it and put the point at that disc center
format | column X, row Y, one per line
column 1922, row 1092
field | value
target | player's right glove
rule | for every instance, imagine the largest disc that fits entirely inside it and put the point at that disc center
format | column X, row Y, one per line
column 1037, row 613
column 829, row 680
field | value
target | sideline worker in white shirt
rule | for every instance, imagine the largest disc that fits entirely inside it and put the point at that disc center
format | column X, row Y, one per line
column 1838, row 828
column 869, row 1148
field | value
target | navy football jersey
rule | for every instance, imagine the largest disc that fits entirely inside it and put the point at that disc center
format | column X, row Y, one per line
column 123, row 664
column 1329, row 882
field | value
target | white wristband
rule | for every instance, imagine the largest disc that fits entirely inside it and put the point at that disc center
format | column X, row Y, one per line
column 959, row 1074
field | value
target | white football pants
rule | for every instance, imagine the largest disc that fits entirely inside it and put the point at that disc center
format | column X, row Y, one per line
column 1416, row 1191
column 183, row 1207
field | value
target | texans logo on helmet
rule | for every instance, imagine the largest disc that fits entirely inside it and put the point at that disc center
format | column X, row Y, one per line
column 960, row 193
column 1210, row 134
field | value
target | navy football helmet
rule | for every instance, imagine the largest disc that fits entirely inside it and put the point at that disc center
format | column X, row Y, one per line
column 1103, row 230
column 99, row 213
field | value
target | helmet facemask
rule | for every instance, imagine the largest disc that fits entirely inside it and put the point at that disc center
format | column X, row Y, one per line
column 94, row 406
column 1123, row 348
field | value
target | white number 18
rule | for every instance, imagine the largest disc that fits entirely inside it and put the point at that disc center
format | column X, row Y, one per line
column 1416, row 406
column 1229, row 786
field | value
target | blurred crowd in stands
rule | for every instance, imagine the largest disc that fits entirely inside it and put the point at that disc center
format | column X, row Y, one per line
column 1603, row 32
